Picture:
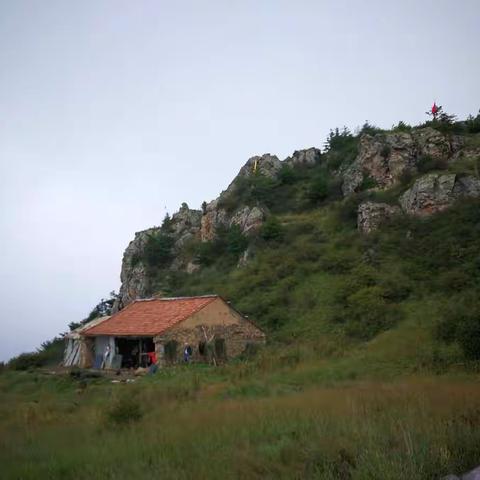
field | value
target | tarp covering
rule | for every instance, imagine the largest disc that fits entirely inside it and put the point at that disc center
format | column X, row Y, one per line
column 73, row 343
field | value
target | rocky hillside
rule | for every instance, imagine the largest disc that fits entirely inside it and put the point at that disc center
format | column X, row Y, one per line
column 329, row 242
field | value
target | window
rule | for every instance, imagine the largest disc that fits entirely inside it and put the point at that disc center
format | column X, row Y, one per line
column 220, row 350
column 171, row 351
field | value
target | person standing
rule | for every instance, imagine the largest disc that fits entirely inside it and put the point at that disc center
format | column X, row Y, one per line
column 187, row 352
column 106, row 354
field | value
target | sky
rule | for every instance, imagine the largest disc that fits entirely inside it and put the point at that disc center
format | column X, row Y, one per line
column 113, row 112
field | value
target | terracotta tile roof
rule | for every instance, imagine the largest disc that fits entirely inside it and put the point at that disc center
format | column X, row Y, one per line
column 151, row 316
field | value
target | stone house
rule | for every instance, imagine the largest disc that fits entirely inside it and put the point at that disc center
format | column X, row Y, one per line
column 208, row 325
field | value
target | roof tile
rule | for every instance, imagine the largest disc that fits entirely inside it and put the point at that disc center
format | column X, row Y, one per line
column 150, row 317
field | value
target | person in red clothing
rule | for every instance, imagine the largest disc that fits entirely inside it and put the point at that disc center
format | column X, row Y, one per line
column 152, row 357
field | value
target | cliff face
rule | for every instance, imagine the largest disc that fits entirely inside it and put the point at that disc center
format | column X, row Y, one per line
column 383, row 161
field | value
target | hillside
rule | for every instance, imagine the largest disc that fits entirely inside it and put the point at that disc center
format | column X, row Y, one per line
column 360, row 261
column 373, row 238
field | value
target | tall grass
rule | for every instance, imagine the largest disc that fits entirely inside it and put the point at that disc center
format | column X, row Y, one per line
column 420, row 428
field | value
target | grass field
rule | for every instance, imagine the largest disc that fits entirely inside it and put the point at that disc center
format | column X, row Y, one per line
column 290, row 414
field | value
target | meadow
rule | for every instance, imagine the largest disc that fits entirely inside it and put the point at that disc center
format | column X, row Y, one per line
column 289, row 414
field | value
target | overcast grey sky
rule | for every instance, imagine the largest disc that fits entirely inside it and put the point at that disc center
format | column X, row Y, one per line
column 113, row 110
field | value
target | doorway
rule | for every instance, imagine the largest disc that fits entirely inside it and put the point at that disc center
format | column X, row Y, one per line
column 134, row 351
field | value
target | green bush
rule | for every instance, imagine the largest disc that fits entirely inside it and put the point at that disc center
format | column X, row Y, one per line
column 124, row 411
column 460, row 322
column 25, row 361
column 287, row 175
column 368, row 313
column 341, row 148
column 206, row 253
column 49, row 353
column 401, row 126
column 236, row 241
column 369, row 129
column 158, row 250
column 271, row 229
column 468, row 336
column 252, row 190
column 427, row 163
column 473, row 123
column 368, row 182
column 385, row 151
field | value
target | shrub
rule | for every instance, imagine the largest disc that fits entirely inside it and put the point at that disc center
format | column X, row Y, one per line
column 287, row 175
column 427, row 163
column 318, row 188
column 341, row 148
column 25, row 361
column 468, row 336
column 385, row 151
column 158, row 250
column 124, row 411
column 272, row 229
column 49, row 353
column 368, row 182
column 167, row 224
column 368, row 313
column 473, row 123
column 256, row 188
column 251, row 350
column 460, row 322
column 236, row 241
column 206, row 253
column 369, row 129
column 401, row 126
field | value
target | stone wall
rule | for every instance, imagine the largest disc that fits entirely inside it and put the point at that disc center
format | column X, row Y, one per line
column 216, row 321
column 236, row 338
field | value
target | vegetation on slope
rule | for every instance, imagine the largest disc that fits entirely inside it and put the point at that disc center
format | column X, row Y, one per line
column 313, row 276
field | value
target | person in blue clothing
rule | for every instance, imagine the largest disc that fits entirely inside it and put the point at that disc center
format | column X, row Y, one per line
column 187, row 352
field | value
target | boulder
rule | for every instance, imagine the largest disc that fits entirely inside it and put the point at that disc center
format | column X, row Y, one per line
column 371, row 215
column 435, row 192
column 472, row 475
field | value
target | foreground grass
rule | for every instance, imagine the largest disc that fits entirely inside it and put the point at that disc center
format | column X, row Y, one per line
column 247, row 420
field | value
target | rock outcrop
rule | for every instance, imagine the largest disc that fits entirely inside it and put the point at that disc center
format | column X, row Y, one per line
column 183, row 226
column 386, row 158
column 435, row 192
column 308, row 157
column 133, row 274
column 371, row 215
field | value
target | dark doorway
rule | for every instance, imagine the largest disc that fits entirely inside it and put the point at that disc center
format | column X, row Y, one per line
column 134, row 351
